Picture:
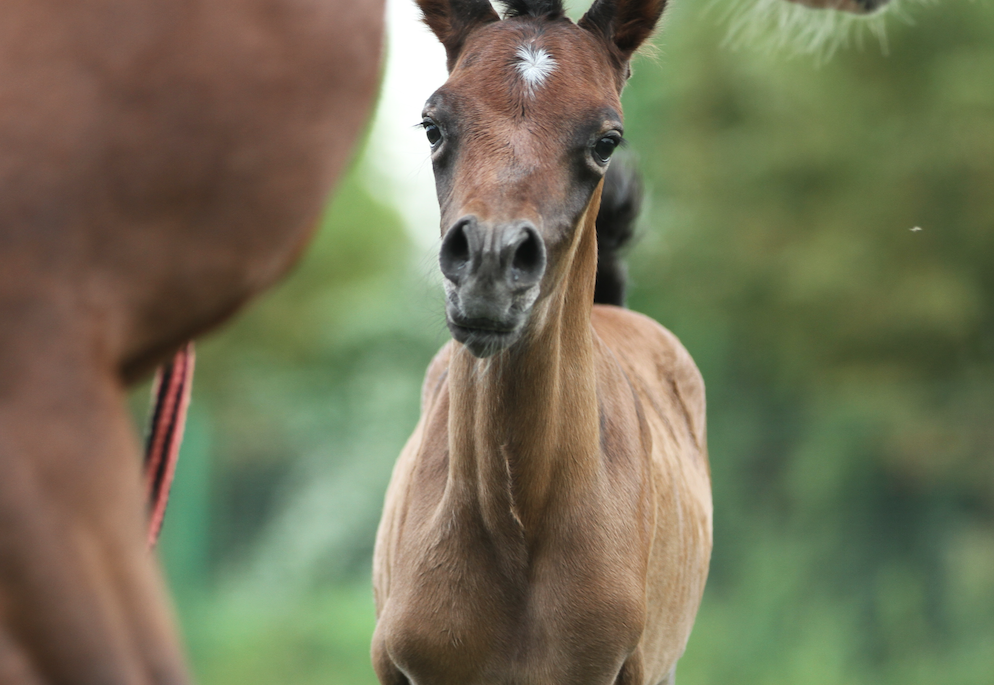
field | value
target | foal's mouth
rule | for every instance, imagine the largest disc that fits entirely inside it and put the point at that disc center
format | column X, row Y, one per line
column 483, row 337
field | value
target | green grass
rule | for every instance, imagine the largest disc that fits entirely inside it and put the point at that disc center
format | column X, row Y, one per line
column 322, row 637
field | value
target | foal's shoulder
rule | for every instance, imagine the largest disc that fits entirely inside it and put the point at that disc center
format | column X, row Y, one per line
column 657, row 357
column 636, row 337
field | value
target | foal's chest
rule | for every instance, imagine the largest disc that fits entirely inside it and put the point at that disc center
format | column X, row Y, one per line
column 473, row 618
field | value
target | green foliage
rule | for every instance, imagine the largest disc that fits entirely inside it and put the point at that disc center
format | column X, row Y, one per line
column 848, row 358
column 849, row 362
column 238, row 640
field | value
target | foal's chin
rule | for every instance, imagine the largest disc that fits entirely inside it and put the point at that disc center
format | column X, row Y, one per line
column 483, row 342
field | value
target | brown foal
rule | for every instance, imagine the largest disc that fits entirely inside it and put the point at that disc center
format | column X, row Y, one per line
column 161, row 162
column 549, row 521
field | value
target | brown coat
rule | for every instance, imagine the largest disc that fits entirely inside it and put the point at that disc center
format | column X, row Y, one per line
column 550, row 519
column 161, row 162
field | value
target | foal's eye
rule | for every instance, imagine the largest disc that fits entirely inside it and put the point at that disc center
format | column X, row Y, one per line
column 604, row 148
column 433, row 132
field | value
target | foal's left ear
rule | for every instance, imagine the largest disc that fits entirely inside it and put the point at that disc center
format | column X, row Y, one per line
column 453, row 20
column 625, row 24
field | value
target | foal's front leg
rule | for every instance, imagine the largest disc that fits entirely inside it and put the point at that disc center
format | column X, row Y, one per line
column 632, row 672
column 384, row 667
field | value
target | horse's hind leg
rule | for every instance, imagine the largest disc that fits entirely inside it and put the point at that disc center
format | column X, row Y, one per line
column 15, row 669
column 80, row 597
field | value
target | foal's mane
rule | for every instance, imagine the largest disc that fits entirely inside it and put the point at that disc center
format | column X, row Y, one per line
column 552, row 9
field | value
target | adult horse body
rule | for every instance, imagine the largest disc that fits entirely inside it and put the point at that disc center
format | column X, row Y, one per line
column 549, row 521
column 161, row 161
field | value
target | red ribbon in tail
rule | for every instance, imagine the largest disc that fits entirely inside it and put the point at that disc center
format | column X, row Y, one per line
column 171, row 399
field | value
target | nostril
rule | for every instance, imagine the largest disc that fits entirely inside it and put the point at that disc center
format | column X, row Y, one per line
column 528, row 263
column 454, row 254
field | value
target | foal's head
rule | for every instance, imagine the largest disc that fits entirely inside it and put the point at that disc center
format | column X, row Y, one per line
column 521, row 135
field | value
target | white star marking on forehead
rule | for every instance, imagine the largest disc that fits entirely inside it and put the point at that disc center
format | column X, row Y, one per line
column 534, row 65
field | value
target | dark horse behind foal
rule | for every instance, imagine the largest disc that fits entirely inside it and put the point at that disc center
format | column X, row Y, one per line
column 161, row 162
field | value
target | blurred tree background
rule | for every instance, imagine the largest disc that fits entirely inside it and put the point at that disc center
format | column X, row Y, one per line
column 849, row 362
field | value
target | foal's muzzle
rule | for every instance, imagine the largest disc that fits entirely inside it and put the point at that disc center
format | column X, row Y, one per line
column 493, row 276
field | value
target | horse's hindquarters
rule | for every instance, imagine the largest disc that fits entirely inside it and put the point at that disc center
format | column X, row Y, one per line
column 170, row 159
column 161, row 162
column 280, row 93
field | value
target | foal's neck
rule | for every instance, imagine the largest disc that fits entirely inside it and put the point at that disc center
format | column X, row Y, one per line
column 524, row 432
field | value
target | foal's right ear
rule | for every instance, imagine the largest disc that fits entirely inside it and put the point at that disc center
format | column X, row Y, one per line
column 624, row 24
column 452, row 20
